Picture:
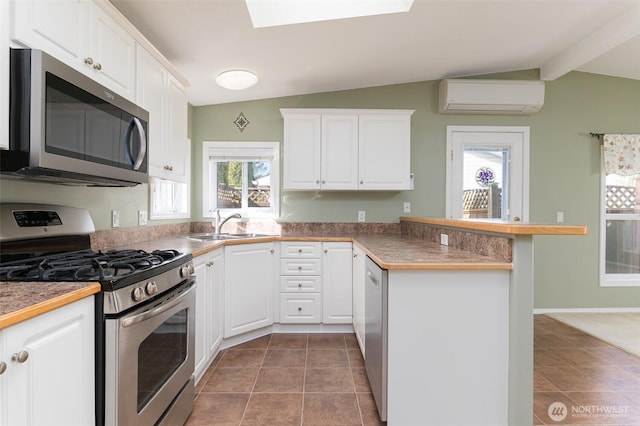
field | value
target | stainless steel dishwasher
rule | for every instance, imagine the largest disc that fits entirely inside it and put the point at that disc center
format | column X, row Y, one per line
column 375, row 340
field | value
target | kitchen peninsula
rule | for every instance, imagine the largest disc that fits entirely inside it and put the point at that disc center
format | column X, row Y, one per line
column 460, row 316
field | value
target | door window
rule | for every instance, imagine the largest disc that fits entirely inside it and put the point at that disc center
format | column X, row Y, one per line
column 488, row 172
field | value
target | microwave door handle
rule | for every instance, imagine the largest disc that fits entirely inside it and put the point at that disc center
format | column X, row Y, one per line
column 143, row 142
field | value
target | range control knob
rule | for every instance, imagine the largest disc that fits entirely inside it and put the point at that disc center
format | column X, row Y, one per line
column 187, row 270
column 151, row 288
column 137, row 294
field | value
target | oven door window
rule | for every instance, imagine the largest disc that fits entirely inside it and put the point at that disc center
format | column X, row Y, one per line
column 160, row 355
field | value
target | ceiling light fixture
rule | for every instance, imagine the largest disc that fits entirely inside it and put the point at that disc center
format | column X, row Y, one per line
column 271, row 13
column 236, row 79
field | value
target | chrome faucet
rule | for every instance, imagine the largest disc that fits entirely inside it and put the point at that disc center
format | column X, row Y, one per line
column 219, row 223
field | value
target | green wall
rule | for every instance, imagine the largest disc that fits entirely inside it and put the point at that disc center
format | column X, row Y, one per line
column 565, row 167
column 565, row 171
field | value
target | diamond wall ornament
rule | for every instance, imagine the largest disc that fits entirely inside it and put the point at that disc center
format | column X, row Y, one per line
column 241, row 122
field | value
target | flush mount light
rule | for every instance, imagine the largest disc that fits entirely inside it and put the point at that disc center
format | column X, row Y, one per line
column 271, row 13
column 236, row 79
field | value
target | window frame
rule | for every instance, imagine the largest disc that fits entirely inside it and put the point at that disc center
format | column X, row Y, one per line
column 213, row 148
column 611, row 280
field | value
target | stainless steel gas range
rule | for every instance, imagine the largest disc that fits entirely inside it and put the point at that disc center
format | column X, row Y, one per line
column 144, row 313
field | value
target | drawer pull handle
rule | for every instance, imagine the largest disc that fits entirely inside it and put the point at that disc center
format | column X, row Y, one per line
column 20, row 356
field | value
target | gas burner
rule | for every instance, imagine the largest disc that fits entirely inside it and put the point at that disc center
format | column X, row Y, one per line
column 86, row 265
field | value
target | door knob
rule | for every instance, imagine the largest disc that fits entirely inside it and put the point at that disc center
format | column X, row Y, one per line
column 516, row 219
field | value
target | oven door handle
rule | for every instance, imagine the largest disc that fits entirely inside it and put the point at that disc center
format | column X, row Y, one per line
column 162, row 307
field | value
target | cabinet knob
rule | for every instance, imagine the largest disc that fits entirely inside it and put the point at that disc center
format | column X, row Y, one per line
column 299, row 309
column 97, row 67
column 272, row 251
column 299, row 250
column 20, row 356
column 299, row 268
column 361, row 182
column 88, row 60
column 317, row 181
column 323, row 182
column 3, row 367
column 299, row 285
column 326, row 251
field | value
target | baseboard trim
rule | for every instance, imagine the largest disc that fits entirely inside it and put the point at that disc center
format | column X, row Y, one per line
column 584, row 310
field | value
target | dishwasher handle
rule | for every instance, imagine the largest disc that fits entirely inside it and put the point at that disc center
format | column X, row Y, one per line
column 374, row 280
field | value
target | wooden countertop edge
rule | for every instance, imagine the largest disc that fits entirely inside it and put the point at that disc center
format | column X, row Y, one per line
column 48, row 305
column 512, row 228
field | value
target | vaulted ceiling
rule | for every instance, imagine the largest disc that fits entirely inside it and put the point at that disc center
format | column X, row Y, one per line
column 435, row 39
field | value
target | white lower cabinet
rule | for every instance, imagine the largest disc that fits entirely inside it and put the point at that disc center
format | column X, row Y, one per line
column 208, row 331
column 300, row 282
column 315, row 282
column 336, row 283
column 359, row 271
column 49, row 377
column 248, row 287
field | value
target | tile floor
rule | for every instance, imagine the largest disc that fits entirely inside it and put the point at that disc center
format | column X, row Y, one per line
column 597, row 383
column 319, row 379
column 287, row 379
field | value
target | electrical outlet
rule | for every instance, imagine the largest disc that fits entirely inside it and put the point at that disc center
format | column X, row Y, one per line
column 362, row 215
column 115, row 218
column 444, row 239
column 407, row 207
column 559, row 217
column 142, row 217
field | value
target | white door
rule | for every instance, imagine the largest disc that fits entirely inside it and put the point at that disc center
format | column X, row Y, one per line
column 488, row 172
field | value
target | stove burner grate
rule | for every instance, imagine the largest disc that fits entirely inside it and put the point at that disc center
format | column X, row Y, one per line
column 85, row 265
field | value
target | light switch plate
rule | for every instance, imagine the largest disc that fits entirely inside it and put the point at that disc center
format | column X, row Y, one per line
column 444, row 239
column 115, row 218
column 407, row 207
column 142, row 217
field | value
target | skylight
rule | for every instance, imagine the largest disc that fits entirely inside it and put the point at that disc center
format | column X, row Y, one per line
column 271, row 13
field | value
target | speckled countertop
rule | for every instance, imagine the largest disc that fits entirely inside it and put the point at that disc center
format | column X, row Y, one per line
column 23, row 300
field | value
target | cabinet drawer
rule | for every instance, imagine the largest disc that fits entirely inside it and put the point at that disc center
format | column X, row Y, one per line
column 301, row 284
column 300, row 308
column 300, row 266
column 296, row 249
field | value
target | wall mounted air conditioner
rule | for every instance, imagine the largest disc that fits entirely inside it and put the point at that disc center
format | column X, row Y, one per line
column 469, row 96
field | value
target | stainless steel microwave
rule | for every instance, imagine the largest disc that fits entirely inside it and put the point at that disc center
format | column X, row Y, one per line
column 66, row 128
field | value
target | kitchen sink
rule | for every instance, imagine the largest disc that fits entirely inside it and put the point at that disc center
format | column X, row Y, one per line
column 224, row 236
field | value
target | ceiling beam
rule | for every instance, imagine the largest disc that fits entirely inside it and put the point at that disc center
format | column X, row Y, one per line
column 613, row 34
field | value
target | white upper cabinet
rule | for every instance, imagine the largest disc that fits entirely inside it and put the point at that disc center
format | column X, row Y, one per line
column 111, row 57
column 83, row 35
column 4, row 71
column 302, row 151
column 165, row 98
column 339, row 161
column 59, row 27
column 342, row 149
column 385, row 151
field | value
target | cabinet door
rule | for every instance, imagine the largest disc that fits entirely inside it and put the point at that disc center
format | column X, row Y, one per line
column 359, row 271
column 337, row 290
column 178, row 147
column 339, row 160
column 55, row 384
column 208, row 319
column 301, row 151
column 384, row 151
column 5, row 23
column 113, row 54
column 151, row 81
column 59, row 27
column 248, row 287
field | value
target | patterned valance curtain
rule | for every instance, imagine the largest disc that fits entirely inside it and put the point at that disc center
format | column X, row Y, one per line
column 621, row 154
